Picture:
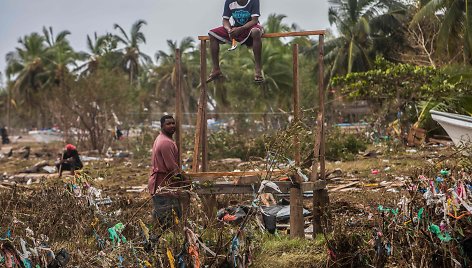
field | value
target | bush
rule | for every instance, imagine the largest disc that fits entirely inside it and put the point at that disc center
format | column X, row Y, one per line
column 222, row 144
column 341, row 146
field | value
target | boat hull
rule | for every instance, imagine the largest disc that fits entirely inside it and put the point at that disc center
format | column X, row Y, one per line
column 458, row 127
column 46, row 136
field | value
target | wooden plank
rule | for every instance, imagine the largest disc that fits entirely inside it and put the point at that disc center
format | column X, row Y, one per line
column 244, row 180
column 344, row 186
column 229, row 188
column 443, row 142
column 278, row 35
column 218, row 174
column 26, row 176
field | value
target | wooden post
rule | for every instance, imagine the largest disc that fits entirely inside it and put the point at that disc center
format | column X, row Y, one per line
column 204, row 137
column 201, row 133
column 324, row 204
column 178, row 103
column 201, row 108
column 322, row 94
column 320, row 197
column 296, row 198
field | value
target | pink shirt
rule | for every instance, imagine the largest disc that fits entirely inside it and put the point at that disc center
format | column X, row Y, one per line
column 164, row 162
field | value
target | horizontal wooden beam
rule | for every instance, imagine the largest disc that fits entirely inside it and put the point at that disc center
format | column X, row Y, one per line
column 278, row 35
column 214, row 175
column 230, row 188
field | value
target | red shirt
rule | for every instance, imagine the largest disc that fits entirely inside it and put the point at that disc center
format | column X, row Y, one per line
column 164, row 162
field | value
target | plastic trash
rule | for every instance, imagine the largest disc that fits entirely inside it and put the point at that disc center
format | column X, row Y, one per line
column 49, row 169
column 270, row 185
column 433, row 228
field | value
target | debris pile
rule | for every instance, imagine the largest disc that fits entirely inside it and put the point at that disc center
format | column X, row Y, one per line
column 430, row 226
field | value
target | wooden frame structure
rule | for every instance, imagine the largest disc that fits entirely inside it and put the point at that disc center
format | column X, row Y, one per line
column 246, row 180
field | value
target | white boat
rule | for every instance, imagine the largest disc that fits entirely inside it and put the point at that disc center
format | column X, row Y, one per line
column 458, row 127
column 46, row 136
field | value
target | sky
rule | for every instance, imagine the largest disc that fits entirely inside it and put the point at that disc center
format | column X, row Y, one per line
column 166, row 19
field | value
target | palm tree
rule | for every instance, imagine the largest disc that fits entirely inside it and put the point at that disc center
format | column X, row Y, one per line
column 456, row 25
column 131, row 52
column 166, row 73
column 26, row 66
column 354, row 43
column 102, row 53
column 389, row 30
column 366, row 28
column 60, row 55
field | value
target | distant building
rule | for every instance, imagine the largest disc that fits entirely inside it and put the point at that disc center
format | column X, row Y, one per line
column 351, row 111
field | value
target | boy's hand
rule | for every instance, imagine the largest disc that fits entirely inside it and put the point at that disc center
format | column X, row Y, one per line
column 236, row 31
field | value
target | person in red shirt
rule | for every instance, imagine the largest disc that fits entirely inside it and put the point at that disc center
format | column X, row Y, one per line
column 165, row 172
column 70, row 160
column 164, row 157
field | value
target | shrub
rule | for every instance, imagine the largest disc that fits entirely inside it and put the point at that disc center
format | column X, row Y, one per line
column 341, row 146
column 222, row 144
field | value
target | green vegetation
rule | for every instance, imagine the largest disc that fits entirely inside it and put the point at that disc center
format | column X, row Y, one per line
column 281, row 251
column 404, row 55
column 343, row 146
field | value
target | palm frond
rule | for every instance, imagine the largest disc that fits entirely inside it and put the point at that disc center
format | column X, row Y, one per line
column 451, row 23
column 428, row 10
column 122, row 31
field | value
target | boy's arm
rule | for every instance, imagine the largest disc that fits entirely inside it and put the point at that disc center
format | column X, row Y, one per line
column 235, row 31
column 251, row 23
column 227, row 24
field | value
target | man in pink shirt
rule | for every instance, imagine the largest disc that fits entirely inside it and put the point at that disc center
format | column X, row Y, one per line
column 165, row 172
column 164, row 156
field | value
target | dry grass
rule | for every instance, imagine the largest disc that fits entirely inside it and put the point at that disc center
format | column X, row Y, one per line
column 49, row 209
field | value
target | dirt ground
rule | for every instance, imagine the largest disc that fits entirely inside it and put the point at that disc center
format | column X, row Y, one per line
column 60, row 218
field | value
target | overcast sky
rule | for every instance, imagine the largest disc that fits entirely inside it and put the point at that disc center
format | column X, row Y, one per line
column 167, row 19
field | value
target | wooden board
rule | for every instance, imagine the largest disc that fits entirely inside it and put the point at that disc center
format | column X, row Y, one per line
column 230, row 188
column 214, row 175
column 344, row 186
column 277, row 35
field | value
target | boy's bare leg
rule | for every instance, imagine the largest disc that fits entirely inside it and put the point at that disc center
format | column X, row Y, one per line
column 215, row 55
column 256, row 35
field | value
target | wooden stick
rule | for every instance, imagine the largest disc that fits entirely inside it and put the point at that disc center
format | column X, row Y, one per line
column 321, row 89
column 200, row 115
column 60, row 164
column 344, row 186
column 178, row 103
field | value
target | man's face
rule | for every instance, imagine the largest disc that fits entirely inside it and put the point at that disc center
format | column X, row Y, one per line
column 169, row 126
